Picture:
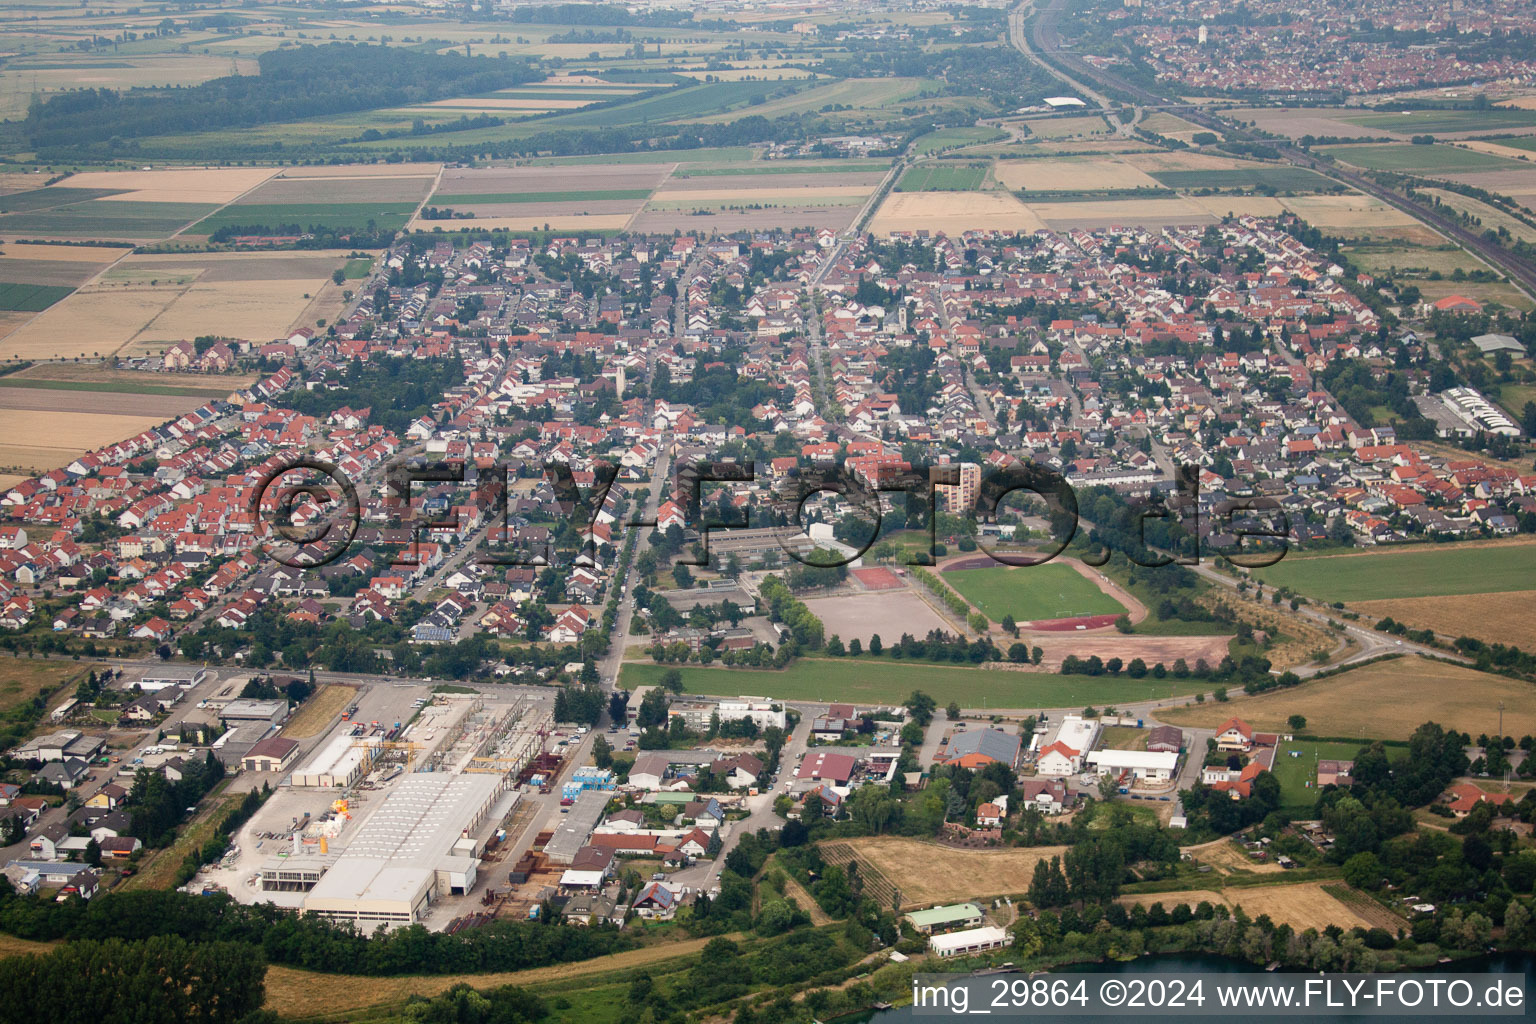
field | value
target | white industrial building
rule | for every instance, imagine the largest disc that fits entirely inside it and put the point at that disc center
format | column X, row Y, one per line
column 1143, row 764
column 1064, row 754
column 417, row 846
column 1469, row 405
column 339, row 763
column 968, row 942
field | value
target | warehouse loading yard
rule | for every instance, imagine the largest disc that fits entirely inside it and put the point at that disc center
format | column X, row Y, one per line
column 386, row 826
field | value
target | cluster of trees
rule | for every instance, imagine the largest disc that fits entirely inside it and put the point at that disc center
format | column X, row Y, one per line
column 157, row 805
column 784, row 608
column 583, row 703
column 309, row 942
column 293, row 83
column 398, row 391
column 162, row 980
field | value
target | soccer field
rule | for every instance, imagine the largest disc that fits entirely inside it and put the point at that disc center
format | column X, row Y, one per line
column 1032, row 593
column 1423, row 572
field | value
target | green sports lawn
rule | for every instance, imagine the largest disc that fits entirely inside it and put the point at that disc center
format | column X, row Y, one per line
column 884, row 680
column 1438, row 570
column 1298, row 775
column 1032, row 592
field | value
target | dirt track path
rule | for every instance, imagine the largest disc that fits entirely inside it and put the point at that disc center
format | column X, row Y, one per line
column 795, row 891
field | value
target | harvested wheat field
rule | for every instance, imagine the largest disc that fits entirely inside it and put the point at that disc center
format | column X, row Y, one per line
column 1186, row 160
column 36, row 441
column 1069, row 174
column 295, row 993
column 1116, row 212
column 256, row 311
column 953, row 212
column 908, row 865
column 1386, row 700
column 94, row 321
column 1302, row 906
column 317, row 713
column 33, row 253
column 146, row 303
column 1239, row 206
column 1351, row 210
column 179, row 185
column 117, row 403
column 1128, row 647
column 415, row 170
column 1499, row 618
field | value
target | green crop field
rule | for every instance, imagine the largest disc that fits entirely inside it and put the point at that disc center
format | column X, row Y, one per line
column 1430, row 571
column 672, row 105
column 884, row 680
column 951, row 138
column 942, row 178
column 1298, row 775
column 1407, row 157
column 1418, row 122
column 106, row 219
column 474, row 198
column 339, row 216
column 692, row 158
column 49, row 198
column 356, row 269
column 30, row 298
column 1527, row 142
column 1033, row 592
column 1286, row 179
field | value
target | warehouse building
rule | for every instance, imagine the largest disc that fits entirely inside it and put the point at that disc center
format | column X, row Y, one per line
column 576, row 827
column 969, row 942
column 943, row 919
column 270, row 712
column 1142, row 764
column 419, row 845
column 273, row 754
column 339, row 763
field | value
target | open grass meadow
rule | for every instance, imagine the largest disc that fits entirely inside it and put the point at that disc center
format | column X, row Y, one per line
column 953, row 138
column 1426, row 571
column 22, row 679
column 884, row 680
column 1384, row 700
column 943, row 178
column 1298, row 774
column 1032, row 592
